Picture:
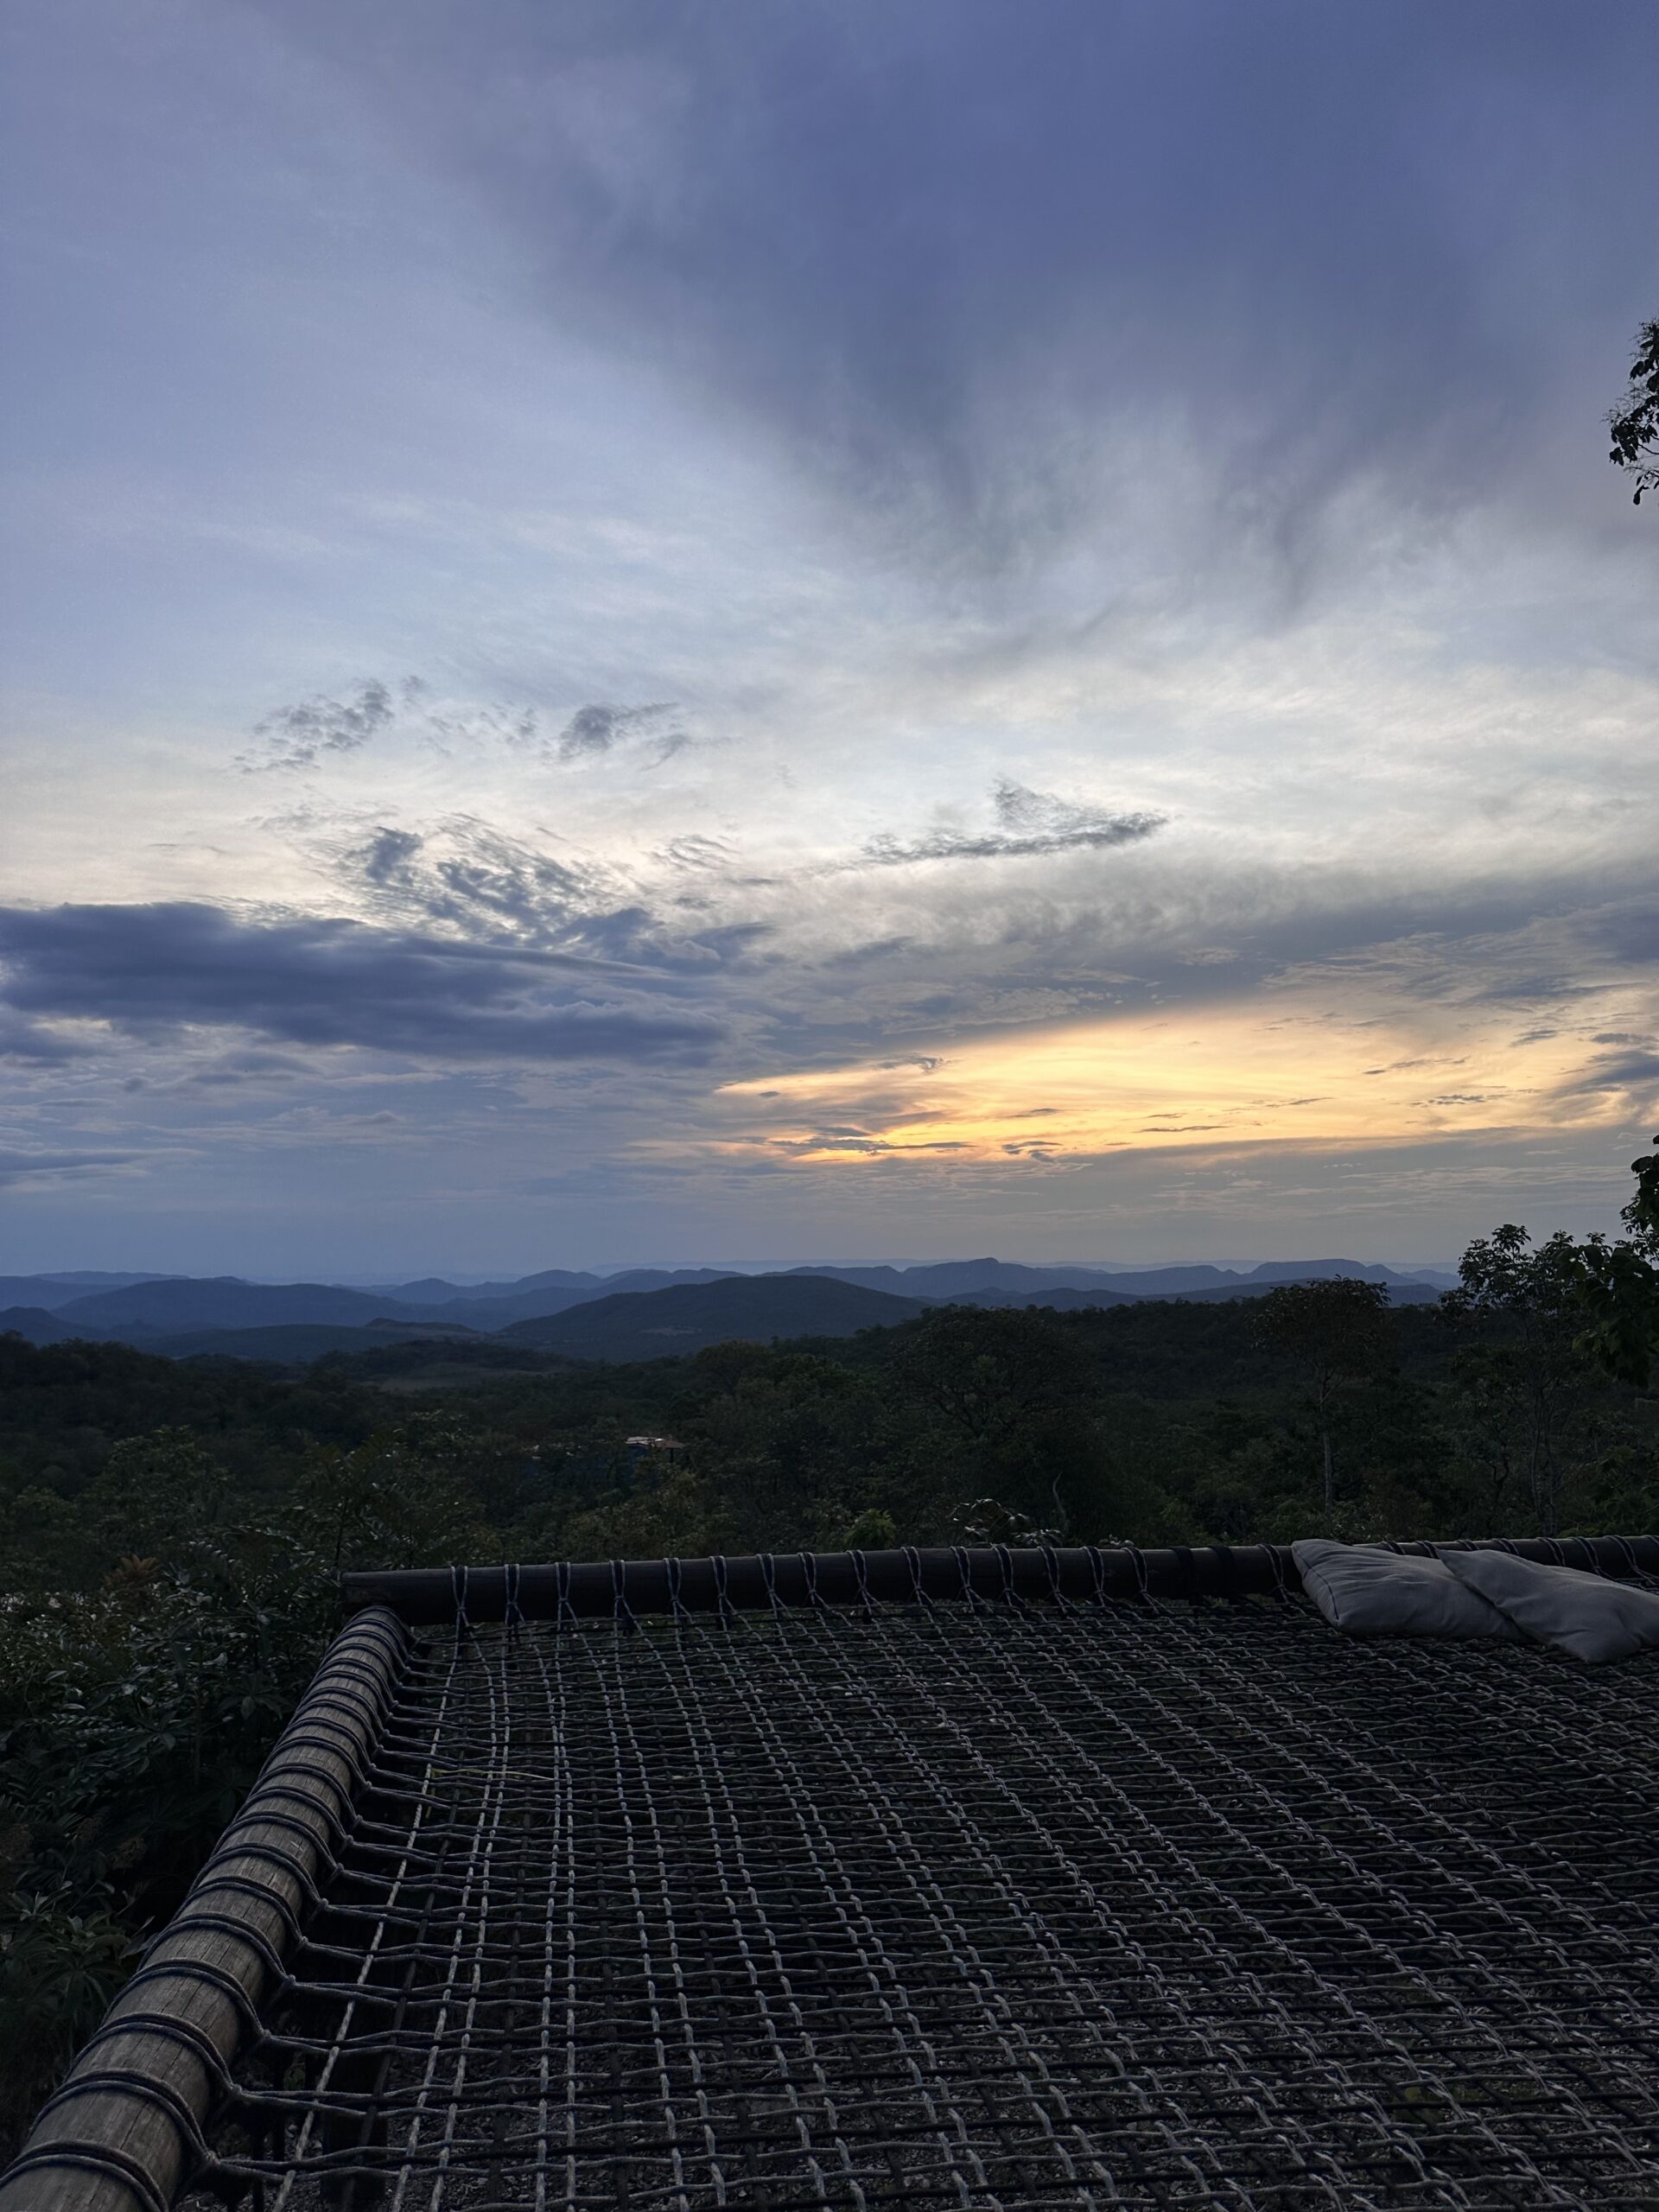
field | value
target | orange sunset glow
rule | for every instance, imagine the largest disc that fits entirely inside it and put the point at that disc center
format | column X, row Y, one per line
column 1171, row 1079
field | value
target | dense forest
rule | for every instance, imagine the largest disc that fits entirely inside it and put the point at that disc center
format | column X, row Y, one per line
column 173, row 1528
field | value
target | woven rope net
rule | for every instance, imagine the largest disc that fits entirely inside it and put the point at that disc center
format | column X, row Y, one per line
column 980, row 1906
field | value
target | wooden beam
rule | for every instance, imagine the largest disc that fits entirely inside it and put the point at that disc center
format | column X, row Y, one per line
column 123, row 2132
column 593, row 1589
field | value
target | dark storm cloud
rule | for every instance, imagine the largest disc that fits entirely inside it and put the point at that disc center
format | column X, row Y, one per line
column 29, row 1042
column 944, row 249
column 298, row 737
column 160, row 971
column 1630, row 930
column 1029, row 824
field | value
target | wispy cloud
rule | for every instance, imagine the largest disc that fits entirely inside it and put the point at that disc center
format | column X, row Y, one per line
column 962, row 378
column 469, row 877
column 1029, row 824
column 325, row 726
column 18, row 1170
column 477, row 879
column 300, row 736
column 599, row 729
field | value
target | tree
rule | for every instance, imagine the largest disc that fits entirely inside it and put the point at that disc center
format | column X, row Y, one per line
column 1336, row 1330
column 1531, row 1373
column 1003, row 1395
column 1618, row 1288
column 404, row 1497
column 1634, row 425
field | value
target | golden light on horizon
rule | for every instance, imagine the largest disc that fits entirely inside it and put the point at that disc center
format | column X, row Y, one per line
column 1162, row 1079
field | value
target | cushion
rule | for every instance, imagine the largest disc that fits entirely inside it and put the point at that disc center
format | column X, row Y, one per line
column 1584, row 1614
column 1364, row 1591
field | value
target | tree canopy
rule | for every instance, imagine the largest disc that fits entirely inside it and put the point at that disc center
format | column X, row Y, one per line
column 1635, row 424
column 1335, row 1329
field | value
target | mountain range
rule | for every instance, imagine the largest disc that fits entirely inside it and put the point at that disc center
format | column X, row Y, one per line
column 640, row 1313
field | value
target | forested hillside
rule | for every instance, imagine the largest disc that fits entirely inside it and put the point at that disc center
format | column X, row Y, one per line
column 172, row 1528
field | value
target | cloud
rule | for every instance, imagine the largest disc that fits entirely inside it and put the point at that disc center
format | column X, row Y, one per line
column 1635, row 1070
column 298, row 737
column 20, row 1169
column 163, row 971
column 1186, row 256
column 475, row 879
column 856, row 1141
column 320, row 727
column 700, row 855
column 1029, row 824
column 35, row 1044
column 598, row 728
column 641, row 393
column 465, row 875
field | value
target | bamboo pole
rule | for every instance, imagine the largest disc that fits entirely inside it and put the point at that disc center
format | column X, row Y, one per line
column 123, row 2133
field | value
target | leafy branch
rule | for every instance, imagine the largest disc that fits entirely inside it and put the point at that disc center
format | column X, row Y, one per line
column 1634, row 425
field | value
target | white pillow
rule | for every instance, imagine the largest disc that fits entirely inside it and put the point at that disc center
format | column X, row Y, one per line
column 1369, row 1592
column 1586, row 1615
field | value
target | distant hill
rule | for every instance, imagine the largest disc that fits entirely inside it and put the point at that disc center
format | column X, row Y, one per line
column 1064, row 1298
column 1228, row 1282
column 667, row 1278
column 541, row 1294
column 433, row 1290
column 294, row 1343
column 1400, row 1293
column 55, row 1290
column 35, row 1323
column 690, row 1317
column 165, row 1307
column 160, row 1311
column 950, row 1279
column 1004, row 1282
column 978, row 1282
column 498, row 1312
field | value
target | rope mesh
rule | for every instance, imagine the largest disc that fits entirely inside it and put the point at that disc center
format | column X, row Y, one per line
column 981, row 1906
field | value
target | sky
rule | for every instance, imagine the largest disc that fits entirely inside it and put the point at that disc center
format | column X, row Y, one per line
column 667, row 631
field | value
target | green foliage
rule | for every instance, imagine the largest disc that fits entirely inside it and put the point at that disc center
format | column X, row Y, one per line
column 874, row 1530
column 998, row 1404
column 158, row 1627
column 1618, row 1297
column 1641, row 1216
column 62, row 1958
column 402, row 1499
column 1526, row 1379
column 1619, row 1287
column 1634, row 425
column 1335, row 1329
column 131, row 1721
